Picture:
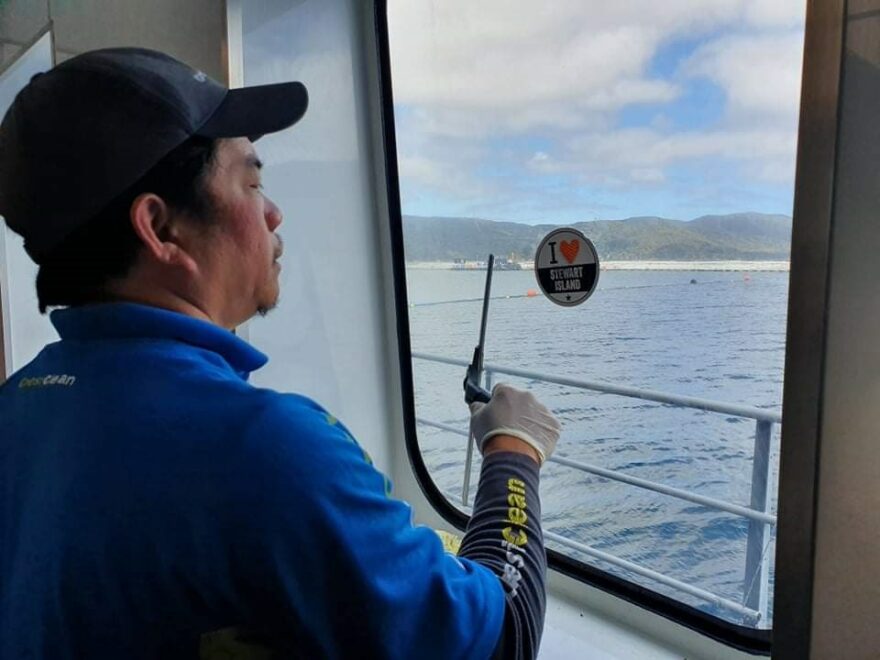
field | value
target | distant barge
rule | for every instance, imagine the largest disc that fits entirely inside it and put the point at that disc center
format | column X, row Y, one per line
column 500, row 264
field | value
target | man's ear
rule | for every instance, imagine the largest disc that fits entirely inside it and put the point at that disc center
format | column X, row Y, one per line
column 158, row 229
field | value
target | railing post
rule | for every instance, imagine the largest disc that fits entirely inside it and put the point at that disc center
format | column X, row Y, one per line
column 469, row 458
column 757, row 569
column 756, row 581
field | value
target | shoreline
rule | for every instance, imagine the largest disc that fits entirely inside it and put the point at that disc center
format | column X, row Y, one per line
column 696, row 266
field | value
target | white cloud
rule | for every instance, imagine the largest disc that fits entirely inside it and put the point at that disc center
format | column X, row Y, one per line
column 761, row 74
column 494, row 53
column 776, row 13
column 475, row 75
column 647, row 175
column 640, row 155
column 433, row 173
column 516, row 65
column 519, row 71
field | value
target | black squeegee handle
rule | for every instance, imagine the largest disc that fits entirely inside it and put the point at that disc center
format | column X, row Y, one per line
column 472, row 390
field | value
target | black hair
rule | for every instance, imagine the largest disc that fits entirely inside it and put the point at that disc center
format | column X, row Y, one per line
column 105, row 248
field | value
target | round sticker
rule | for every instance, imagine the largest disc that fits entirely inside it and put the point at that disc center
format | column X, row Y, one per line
column 567, row 266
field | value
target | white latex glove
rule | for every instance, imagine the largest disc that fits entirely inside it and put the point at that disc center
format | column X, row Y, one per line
column 517, row 413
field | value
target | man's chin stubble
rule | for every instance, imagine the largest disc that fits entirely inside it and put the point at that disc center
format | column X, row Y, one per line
column 263, row 310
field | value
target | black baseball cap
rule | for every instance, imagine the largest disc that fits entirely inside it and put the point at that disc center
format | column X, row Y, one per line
column 82, row 133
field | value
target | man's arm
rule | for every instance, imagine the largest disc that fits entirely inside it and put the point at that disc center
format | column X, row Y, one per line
column 515, row 434
column 323, row 557
column 504, row 535
column 321, row 554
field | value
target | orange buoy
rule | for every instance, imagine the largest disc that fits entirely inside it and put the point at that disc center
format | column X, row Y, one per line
column 531, row 293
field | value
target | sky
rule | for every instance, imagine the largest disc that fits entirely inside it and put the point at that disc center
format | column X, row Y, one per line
column 574, row 110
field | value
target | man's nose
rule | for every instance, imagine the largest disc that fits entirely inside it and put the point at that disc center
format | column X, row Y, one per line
column 273, row 215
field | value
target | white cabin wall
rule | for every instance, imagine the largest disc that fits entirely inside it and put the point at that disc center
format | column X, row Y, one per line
column 26, row 331
column 21, row 21
column 328, row 337
column 406, row 486
column 193, row 31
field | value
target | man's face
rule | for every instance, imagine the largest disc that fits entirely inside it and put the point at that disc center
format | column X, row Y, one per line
column 238, row 257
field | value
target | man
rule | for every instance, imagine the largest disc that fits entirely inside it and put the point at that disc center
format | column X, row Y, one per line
column 152, row 497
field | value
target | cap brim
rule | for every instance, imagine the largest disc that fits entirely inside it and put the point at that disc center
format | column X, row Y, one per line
column 256, row 111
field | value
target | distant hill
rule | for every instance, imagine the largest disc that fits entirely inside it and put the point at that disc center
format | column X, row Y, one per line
column 738, row 236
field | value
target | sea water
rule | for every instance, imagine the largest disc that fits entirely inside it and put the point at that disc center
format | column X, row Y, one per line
column 712, row 335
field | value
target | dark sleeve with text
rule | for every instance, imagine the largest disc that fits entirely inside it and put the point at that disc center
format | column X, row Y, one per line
column 504, row 535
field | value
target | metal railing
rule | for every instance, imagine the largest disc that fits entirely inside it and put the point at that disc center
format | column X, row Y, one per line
column 756, row 575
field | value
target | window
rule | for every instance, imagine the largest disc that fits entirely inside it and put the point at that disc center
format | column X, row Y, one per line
column 668, row 136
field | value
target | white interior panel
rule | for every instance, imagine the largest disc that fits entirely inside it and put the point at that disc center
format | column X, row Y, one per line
column 326, row 338
column 25, row 330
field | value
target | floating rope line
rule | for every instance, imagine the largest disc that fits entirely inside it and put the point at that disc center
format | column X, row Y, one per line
column 532, row 293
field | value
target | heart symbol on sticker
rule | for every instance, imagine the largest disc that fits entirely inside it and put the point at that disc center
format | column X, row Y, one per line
column 570, row 249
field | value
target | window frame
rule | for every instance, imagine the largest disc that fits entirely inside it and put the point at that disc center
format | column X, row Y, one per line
column 750, row 640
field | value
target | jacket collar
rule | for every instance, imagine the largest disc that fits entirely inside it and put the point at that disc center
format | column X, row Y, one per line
column 133, row 321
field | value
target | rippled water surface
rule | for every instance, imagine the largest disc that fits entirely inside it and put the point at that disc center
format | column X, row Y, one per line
column 713, row 335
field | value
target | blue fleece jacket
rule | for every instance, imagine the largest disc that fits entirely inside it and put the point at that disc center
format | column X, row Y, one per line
column 150, row 496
